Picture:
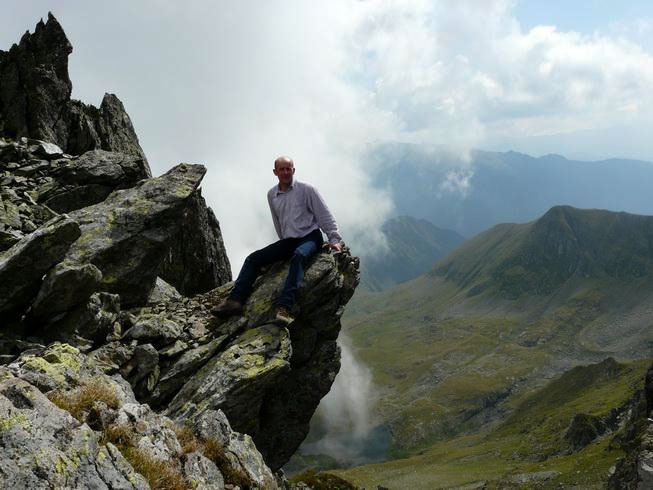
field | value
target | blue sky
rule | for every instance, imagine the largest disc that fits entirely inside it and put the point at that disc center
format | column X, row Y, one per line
column 584, row 16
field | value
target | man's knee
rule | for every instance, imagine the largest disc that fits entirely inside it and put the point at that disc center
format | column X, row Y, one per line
column 254, row 259
column 302, row 254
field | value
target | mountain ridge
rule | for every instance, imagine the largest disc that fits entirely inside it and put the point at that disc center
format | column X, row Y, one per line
column 470, row 195
column 565, row 242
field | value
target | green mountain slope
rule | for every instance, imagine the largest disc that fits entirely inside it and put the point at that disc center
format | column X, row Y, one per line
column 566, row 434
column 413, row 247
column 455, row 349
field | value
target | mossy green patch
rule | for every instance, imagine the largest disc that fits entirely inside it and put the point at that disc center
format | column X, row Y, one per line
column 38, row 364
column 19, row 420
column 64, row 354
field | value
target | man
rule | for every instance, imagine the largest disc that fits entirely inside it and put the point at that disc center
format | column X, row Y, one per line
column 298, row 213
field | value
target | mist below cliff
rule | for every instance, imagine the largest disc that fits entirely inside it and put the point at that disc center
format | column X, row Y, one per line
column 344, row 430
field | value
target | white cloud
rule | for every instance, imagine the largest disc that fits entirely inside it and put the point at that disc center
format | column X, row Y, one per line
column 456, row 182
column 465, row 73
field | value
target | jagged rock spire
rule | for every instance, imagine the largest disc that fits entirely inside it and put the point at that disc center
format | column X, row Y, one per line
column 35, row 99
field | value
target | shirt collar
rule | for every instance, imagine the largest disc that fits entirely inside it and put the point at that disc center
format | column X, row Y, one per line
column 292, row 185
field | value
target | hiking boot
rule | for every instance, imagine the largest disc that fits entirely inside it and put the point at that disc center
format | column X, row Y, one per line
column 283, row 316
column 227, row 308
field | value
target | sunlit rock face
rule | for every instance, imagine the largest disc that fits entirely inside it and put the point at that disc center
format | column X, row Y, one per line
column 108, row 305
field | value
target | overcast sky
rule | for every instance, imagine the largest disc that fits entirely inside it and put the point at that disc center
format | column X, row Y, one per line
column 232, row 85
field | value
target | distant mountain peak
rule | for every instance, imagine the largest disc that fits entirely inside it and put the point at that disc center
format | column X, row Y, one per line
column 540, row 256
column 553, row 156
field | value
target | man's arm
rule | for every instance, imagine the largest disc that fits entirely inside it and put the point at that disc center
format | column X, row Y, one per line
column 325, row 219
column 275, row 218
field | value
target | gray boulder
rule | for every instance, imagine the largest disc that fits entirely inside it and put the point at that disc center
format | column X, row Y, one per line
column 162, row 292
column 126, row 235
column 239, row 448
column 56, row 367
column 90, row 178
column 197, row 261
column 35, row 99
column 49, row 151
column 45, row 447
column 75, row 284
column 155, row 329
column 23, row 266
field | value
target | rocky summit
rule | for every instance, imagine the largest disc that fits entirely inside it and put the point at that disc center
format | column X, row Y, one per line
column 113, row 372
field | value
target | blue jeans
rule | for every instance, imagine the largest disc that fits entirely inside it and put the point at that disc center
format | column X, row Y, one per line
column 298, row 250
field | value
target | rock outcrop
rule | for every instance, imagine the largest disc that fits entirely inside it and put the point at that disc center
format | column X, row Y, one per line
column 635, row 470
column 35, row 99
column 197, row 261
column 66, row 424
column 39, row 181
column 23, row 266
column 113, row 372
column 36, row 111
column 125, row 236
column 267, row 380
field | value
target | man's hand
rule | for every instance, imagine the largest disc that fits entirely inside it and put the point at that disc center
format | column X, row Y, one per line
column 335, row 246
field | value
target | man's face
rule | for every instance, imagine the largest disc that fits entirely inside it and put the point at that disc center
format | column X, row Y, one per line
column 284, row 170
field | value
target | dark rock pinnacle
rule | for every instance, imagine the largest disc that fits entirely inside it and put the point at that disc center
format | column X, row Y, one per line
column 35, row 99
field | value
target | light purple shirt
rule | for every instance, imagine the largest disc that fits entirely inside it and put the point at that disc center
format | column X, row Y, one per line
column 299, row 211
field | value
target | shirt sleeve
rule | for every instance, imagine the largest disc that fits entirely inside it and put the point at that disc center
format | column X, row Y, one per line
column 325, row 219
column 275, row 218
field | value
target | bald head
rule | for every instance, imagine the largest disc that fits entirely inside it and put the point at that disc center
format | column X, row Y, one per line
column 283, row 160
column 284, row 169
